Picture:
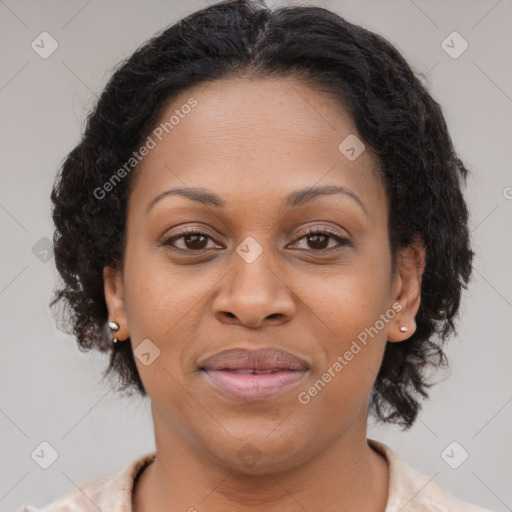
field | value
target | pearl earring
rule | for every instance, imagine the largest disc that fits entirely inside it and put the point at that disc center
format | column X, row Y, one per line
column 404, row 328
column 114, row 326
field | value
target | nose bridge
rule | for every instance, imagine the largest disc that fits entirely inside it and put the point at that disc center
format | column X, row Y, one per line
column 254, row 269
column 253, row 290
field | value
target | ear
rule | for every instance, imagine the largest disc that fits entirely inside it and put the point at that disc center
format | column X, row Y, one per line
column 114, row 297
column 406, row 289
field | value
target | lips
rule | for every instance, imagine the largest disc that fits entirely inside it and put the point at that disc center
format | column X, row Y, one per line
column 265, row 360
column 262, row 374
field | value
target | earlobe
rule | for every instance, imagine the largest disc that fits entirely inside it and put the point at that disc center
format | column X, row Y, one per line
column 407, row 290
column 114, row 298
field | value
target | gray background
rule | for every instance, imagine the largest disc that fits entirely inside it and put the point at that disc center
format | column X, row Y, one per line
column 52, row 392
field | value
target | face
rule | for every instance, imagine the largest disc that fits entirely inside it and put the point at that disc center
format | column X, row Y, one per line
column 248, row 273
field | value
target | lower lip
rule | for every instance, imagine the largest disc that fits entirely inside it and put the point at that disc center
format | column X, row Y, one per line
column 250, row 386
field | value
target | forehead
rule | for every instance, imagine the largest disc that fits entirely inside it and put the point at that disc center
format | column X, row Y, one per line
column 263, row 137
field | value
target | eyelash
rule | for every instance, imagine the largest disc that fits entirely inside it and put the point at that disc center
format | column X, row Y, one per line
column 342, row 241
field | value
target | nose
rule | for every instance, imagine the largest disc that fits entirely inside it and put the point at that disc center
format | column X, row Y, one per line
column 254, row 295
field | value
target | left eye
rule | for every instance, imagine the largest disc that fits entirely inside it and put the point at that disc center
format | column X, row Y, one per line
column 319, row 238
column 195, row 240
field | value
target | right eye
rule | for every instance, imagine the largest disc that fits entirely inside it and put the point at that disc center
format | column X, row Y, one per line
column 193, row 240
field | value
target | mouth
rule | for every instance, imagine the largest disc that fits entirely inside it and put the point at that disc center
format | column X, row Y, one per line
column 254, row 374
column 251, row 384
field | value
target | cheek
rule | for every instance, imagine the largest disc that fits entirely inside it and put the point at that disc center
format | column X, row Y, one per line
column 164, row 304
column 352, row 315
column 158, row 294
column 351, row 298
column 341, row 384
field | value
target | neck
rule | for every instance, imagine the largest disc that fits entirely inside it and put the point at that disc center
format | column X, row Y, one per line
column 346, row 475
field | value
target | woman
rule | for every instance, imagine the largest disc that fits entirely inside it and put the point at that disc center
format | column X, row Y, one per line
column 266, row 211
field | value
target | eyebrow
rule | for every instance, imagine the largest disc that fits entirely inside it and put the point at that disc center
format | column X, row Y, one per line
column 296, row 198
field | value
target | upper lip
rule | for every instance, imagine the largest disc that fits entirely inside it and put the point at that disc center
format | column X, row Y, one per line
column 260, row 359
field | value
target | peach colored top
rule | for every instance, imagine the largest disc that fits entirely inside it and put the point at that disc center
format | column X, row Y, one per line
column 113, row 492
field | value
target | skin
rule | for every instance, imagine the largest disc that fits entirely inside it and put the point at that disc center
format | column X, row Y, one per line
column 252, row 142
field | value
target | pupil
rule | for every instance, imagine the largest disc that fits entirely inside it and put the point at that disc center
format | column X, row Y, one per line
column 315, row 240
column 194, row 238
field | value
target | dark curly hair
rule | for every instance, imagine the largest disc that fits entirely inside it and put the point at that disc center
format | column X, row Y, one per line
column 393, row 112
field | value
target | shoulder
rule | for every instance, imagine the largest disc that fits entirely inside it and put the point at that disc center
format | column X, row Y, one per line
column 420, row 492
column 110, row 492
